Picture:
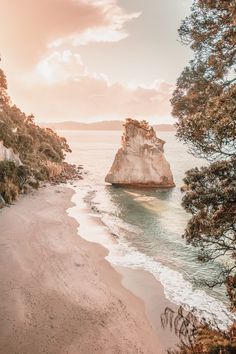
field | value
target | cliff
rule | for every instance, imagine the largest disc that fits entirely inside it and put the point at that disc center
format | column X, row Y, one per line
column 140, row 161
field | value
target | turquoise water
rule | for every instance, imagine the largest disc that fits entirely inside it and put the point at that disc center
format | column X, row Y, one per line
column 148, row 224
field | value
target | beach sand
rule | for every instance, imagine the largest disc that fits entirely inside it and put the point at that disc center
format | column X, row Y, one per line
column 58, row 295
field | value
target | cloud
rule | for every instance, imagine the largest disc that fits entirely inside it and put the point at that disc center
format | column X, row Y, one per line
column 40, row 42
column 81, row 95
column 59, row 66
column 28, row 28
column 113, row 29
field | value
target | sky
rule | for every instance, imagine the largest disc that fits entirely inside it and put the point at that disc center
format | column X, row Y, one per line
column 90, row 60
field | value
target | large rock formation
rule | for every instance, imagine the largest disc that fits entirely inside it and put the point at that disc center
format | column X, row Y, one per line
column 140, row 161
column 9, row 155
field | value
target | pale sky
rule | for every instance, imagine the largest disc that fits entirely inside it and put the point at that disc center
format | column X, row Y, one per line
column 88, row 60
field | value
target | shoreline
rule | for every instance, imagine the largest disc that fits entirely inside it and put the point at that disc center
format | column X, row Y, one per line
column 143, row 284
column 139, row 282
column 59, row 294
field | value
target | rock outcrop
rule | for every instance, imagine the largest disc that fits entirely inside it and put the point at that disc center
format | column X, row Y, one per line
column 9, row 155
column 2, row 202
column 140, row 161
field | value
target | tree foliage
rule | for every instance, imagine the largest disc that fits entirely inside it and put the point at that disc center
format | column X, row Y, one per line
column 204, row 102
column 196, row 337
column 37, row 148
column 4, row 99
column 205, row 98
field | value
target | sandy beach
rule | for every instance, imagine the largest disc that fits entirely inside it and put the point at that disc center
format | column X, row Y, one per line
column 58, row 294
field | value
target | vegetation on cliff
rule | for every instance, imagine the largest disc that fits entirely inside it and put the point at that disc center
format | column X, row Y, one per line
column 204, row 102
column 41, row 151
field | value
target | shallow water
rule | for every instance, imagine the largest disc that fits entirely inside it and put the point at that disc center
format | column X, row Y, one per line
column 148, row 224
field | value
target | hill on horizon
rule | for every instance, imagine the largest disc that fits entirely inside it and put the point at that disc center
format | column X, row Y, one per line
column 103, row 125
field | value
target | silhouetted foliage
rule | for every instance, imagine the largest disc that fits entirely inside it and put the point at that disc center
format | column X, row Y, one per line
column 198, row 337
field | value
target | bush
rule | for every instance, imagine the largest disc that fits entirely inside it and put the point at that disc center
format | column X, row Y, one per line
column 37, row 148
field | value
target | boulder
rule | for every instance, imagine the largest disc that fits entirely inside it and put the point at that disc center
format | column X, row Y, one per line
column 9, row 155
column 140, row 161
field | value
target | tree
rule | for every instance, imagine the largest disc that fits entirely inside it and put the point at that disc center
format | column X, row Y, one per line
column 205, row 98
column 197, row 337
column 4, row 99
column 204, row 102
column 39, row 150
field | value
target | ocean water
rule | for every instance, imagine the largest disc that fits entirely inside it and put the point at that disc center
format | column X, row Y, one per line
column 147, row 225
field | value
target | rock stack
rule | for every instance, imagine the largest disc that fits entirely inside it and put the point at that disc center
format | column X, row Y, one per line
column 140, row 161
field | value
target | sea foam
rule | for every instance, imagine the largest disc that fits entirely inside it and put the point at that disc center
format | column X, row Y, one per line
column 121, row 253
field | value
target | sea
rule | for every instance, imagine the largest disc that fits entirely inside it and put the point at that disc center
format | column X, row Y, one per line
column 147, row 225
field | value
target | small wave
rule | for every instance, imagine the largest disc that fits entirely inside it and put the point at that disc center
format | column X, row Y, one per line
column 118, row 227
column 176, row 288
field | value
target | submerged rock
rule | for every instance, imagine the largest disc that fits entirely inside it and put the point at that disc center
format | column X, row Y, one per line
column 140, row 161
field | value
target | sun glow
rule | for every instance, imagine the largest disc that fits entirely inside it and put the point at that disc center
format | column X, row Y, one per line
column 45, row 71
column 60, row 66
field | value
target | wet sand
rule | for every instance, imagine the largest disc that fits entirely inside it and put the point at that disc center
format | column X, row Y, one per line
column 146, row 287
column 58, row 294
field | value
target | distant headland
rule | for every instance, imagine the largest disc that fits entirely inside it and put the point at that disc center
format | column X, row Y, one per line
column 103, row 125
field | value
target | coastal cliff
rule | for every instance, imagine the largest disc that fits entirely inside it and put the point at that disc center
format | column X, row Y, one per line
column 140, row 161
